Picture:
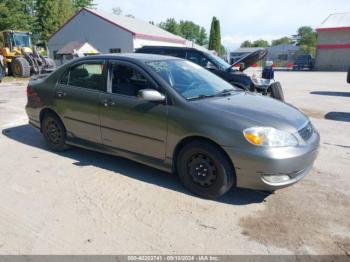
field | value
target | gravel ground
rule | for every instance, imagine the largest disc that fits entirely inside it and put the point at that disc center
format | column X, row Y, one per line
column 82, row 202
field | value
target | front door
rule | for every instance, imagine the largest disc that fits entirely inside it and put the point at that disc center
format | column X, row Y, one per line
column 128, row 123
column 78, row 98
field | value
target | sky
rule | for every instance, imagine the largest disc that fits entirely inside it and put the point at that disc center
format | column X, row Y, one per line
column 240, row 19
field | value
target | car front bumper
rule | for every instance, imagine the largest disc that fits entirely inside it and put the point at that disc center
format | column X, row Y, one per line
column 273, row 168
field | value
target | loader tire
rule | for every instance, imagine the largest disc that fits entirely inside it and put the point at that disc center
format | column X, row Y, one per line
column 20, row 67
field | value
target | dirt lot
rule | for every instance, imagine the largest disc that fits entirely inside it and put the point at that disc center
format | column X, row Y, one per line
column 82, row 202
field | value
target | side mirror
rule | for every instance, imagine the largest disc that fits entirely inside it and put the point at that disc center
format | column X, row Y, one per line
column 150, row 95
column 348, row 79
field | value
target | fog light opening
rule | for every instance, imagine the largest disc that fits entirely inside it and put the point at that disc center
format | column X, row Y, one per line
column 276, row 179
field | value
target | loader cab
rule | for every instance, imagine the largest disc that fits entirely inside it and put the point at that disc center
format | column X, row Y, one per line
column 13, row 39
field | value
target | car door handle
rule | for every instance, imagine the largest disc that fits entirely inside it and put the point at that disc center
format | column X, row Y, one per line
column 61, row 94
column 108, row 103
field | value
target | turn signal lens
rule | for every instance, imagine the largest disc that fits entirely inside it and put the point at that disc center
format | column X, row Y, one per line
column 254, row 139
column 269, row 137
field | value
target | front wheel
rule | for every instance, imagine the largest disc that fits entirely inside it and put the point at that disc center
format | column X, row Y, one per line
column 54, row 132
column 205, row 170
column 275, row 91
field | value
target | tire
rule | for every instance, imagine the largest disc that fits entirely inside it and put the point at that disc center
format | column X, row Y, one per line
column 276, row 91
column 20, row 67
column 205, row 170
column 54, row 132
column 348, row 76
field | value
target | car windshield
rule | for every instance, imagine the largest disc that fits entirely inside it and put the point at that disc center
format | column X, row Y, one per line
column 190, row 80
column 218, row 61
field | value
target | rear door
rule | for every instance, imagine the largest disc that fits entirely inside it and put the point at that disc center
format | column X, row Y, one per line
column 78, row 97
column 127, row 122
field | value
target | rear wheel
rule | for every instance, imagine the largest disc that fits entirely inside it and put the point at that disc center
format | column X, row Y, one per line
column 205, row 170
column 276, row 91
column 20, row 67
column 54, row 132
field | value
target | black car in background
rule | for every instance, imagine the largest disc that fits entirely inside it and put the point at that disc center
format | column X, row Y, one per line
column 224, row 70
column 303, row 62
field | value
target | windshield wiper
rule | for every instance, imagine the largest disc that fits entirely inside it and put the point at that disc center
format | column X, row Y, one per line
column 225, row 92
column 200, row 97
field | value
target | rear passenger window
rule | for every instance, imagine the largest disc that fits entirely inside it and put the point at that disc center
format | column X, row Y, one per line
column 88, row 75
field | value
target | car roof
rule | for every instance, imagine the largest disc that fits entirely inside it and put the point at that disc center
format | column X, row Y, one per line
column 132, row 57
column 169, row 47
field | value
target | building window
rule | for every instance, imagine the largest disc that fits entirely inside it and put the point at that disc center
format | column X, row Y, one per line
column 115, row 50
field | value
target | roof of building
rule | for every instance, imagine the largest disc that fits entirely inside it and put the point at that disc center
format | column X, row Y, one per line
column 336, row 22
column 283, row 48
column 137, row 27
column 247, row 49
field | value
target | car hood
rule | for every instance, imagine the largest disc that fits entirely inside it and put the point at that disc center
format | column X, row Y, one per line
column 251, row 59
column 255, row 109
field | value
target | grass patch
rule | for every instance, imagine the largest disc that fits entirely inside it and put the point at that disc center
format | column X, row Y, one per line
column 12, row 79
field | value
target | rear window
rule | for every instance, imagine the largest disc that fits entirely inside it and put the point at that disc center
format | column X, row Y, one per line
column 149, row 51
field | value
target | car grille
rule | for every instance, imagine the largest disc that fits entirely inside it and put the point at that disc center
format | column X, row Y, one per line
column 306, row 132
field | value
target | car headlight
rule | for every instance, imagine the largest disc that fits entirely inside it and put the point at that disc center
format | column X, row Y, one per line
column 261, row 81
column 269, row 137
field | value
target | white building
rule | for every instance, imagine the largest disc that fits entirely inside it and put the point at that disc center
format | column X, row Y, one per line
column 110, row 33
column 333, row 43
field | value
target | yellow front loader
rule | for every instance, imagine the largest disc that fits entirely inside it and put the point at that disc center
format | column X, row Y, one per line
column 19, row 57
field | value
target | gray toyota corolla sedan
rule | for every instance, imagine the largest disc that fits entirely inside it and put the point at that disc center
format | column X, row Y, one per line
column 174, row 115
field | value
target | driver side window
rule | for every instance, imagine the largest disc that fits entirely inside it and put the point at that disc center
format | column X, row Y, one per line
column 126, row 80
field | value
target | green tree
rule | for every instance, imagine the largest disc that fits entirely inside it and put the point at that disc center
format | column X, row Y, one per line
column 213, row 35
column 189, row 30
column 247, row 43
column 17, row 14
column 203, row 37
column 78, row 4
column 260, row 43
column 171, row 26
column 218, row 46
column 186, row 29
column 51, row 15
column 306, row 38
column 281, row 41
